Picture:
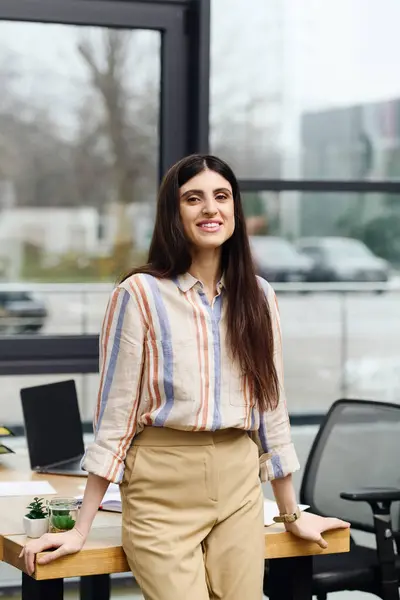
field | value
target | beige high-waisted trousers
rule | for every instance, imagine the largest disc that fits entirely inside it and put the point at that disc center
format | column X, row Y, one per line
column 192, row 515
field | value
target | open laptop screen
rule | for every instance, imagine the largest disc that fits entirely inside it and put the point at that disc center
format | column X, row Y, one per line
column 53, row 426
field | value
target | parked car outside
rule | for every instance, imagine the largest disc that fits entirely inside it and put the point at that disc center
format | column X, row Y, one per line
column 278, row 260
column 21, row 312
column 342, row 259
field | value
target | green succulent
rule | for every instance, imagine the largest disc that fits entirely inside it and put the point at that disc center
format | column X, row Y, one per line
column 37, row 510
column 62, row 521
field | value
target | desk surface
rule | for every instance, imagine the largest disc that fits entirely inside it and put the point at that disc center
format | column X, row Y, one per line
column 103, row 552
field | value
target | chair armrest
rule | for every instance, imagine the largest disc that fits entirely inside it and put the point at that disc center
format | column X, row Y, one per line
column 380, row 500
column 373, row 494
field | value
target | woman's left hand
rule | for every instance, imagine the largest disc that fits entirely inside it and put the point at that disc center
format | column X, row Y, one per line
column 310, row 527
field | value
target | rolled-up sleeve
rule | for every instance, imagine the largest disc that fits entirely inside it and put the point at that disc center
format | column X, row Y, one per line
column 121, row 366
column 278, row 456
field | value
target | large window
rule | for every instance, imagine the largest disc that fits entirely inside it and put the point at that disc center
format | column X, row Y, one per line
column 305, row 105
column 95, row 104
column 306, row 89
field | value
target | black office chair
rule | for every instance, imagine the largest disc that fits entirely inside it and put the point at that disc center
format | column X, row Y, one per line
column 355, row 462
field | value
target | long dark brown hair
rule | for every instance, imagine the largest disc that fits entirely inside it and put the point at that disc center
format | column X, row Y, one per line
column 249, row 323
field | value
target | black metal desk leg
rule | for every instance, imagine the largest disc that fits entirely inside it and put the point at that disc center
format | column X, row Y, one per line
column 95, row 587
column 290, row 578
column 50, row 589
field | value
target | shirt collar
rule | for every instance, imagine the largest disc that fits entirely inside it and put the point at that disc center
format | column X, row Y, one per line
column 186, row 282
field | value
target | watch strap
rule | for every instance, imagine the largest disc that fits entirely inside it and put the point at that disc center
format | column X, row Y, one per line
column 289, row 517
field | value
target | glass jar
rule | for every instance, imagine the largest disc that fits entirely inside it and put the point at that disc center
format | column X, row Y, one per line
column 63, row 513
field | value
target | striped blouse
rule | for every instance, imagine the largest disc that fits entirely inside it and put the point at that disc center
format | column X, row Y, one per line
column 165, row 362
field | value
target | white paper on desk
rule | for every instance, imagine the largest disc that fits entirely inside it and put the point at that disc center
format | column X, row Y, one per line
column 271, row 510
column 26, row 488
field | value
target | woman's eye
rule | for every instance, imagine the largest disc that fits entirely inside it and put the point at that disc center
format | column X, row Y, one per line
column 221, row 197
column 193, row 199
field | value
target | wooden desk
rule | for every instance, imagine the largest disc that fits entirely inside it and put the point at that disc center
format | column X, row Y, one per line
column 103, row 553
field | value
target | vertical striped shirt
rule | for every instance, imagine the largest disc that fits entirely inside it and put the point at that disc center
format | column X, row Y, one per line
column 165, row 362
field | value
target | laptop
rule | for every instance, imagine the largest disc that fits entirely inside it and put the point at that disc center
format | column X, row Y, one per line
column 53, row 428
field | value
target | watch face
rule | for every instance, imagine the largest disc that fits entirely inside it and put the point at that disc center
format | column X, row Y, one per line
column 293, row 517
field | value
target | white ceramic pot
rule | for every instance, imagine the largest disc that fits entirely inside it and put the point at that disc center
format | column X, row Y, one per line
column 34, row 528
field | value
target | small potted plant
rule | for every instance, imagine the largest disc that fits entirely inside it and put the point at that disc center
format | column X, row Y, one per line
column 36, row 521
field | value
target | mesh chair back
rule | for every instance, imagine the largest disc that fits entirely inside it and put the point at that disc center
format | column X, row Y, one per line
column 358, row 445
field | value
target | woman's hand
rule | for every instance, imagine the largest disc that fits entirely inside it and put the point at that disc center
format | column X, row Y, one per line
column 310, row 527
column 67, row 542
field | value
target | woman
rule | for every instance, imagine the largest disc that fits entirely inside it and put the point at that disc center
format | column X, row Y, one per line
column 191, row 413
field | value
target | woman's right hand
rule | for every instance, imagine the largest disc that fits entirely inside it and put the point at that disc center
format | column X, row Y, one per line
column 67, row 542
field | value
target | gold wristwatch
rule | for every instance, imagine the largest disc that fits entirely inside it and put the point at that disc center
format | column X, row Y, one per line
column 288, row 518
